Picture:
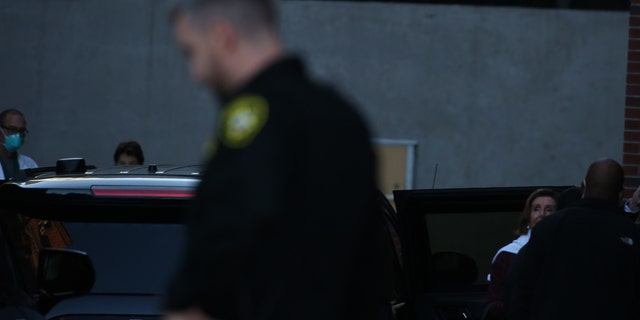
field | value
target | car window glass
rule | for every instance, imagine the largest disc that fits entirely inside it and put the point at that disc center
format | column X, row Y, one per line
column 129, row 257
column 26, row 238
column 477, row 236
column 133, row 258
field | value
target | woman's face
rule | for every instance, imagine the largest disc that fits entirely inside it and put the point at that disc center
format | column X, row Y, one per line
column 127, row 160
column 540, row 208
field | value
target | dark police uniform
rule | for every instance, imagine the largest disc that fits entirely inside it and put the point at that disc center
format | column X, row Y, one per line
column 582, row 262
column 284, row 224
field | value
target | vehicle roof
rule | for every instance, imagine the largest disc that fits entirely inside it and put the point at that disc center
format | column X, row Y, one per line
column 81, row 184
column 156, row 193
column 187, row 176
column 148, row 170
column 164, row 169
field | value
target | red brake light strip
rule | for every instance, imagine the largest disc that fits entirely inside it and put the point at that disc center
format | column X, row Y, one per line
column 131, row 192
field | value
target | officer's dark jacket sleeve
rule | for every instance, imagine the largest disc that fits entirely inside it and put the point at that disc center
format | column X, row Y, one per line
column 286, row 218
column 222, row 236
column 525, row 272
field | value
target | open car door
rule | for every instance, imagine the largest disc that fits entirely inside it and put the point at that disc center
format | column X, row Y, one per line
column 449, row 237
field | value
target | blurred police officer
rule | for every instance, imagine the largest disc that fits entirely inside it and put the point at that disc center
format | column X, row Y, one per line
column 283, row 224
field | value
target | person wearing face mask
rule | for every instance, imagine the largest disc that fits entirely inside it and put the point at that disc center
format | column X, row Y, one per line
column 13, row 126
column 540, row 204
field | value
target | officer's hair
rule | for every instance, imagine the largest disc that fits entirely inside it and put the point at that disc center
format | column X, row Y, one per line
column 248, row 16
column 5, row 113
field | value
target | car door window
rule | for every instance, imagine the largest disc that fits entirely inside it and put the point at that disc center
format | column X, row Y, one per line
column 476, row 235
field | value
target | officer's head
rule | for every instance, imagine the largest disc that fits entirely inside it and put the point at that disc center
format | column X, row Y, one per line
column 604, row 180
column 226, row 41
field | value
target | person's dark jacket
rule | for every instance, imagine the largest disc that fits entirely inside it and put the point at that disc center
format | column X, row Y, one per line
column 582, row 262
column 499, row 270
column 286, row 227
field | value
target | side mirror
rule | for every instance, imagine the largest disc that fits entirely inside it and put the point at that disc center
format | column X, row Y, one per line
column 64, row 273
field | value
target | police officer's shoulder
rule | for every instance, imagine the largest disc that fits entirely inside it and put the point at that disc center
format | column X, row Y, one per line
column 242, row 119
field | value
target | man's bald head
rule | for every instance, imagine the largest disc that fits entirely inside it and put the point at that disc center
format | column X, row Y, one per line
column 604, row 180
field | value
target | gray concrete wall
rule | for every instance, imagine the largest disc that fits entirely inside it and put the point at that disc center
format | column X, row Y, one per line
column 495, row 96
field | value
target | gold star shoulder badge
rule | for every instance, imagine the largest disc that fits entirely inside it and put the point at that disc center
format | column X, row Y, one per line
column 242, row 120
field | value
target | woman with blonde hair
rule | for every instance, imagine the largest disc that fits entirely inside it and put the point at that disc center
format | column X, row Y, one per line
column 540, row 204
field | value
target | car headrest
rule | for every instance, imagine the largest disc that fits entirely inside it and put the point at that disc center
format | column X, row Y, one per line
column 452, row 268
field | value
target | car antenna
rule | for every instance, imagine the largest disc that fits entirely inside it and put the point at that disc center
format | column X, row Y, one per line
column 435, row 175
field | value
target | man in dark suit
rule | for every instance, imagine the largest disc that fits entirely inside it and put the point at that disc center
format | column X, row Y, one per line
column 581, row 262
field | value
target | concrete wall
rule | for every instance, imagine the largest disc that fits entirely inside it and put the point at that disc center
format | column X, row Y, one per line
column 495, row 96
column 90, row 74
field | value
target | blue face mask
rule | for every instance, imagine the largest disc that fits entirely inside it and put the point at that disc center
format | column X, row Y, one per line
column 13, row 142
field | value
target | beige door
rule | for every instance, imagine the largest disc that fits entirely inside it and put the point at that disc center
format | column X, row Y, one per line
column 395, row 164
